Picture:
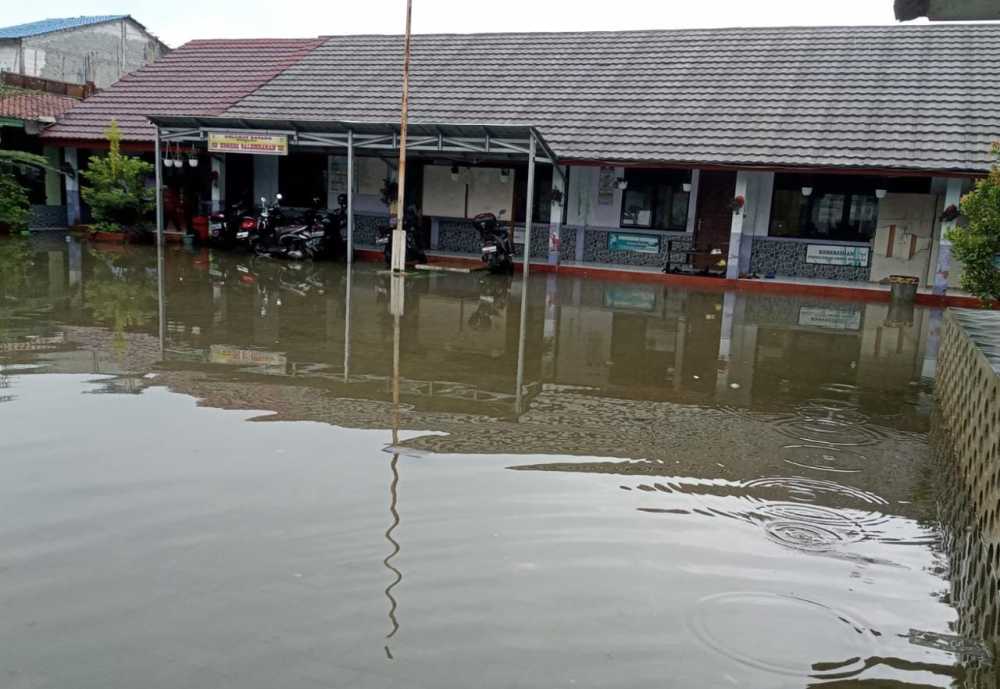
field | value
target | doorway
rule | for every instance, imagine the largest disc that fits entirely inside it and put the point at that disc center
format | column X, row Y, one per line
column 715, row 216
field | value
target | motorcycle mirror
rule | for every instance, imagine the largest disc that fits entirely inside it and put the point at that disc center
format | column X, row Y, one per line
column 503, row 212
column 263, row 200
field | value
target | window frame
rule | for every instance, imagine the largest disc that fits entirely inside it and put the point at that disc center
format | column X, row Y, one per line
column 677, row 177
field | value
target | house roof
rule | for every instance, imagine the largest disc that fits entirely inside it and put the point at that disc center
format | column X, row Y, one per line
column 898, row 97
column 45, row 26
column 200, row 78
column 33, row 105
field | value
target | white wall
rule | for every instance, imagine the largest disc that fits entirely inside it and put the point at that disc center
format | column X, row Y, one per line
column 369, row 178
column 583, row 207
column 760, row 192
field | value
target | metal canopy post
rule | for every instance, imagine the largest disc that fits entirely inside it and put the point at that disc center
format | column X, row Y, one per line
column 350, row 198
column 161, row 278
column 159, row 186
column 530, row 203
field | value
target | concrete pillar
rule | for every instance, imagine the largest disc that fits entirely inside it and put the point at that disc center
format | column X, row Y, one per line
column 736, row 231
column 556, row 215
column 72, row 188
column 53, row 182
column 952, row 197
column 692, row 218
column 218, row 182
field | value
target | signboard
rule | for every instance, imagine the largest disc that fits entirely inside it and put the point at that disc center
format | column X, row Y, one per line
column 636, row 243
column 607, row 182
column 256, row 144
column 830, row 319
column 837, row 255
column 224, row 354
column 630, row 298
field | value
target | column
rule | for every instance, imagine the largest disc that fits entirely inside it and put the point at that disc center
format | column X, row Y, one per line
column 736, row 232
column 556, row 214
column 72, row 188
column 218, row 182
column 952, row 197
column 692, row 218
column 53, row 183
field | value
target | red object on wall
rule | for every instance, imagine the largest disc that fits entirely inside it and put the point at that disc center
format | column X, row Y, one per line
column 200, row 225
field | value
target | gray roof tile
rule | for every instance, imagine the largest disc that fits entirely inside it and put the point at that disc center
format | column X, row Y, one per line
column 906, row 97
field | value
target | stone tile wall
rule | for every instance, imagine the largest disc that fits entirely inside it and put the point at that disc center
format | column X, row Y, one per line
column 595, row 250
column 785, row 258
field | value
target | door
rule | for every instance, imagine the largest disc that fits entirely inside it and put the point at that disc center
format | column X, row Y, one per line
column 904, row 235
column 714, row 216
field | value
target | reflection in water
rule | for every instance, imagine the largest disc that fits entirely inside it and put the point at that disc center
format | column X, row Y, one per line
column 617, row 481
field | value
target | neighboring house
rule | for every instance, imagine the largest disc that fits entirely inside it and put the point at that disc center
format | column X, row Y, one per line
column 79, row 49
column 24, row 113
column 205, row 77
column 807, row 152
column 948, row 10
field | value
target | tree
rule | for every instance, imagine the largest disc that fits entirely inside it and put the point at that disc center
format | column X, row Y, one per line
column 115, row 186
column 976, row 240
column 15, row 209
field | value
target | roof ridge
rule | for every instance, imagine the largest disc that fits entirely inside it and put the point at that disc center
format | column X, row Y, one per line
column 995, row 26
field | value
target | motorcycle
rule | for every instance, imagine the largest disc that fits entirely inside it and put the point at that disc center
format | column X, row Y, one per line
column 497, row 243
column 494, row 295
column 224, row 227
column 316, row 235
column 414, row 252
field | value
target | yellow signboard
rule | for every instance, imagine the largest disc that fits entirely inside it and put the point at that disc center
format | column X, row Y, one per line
column 257, row 144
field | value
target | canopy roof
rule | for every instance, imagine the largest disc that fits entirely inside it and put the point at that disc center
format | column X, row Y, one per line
column 479, row 138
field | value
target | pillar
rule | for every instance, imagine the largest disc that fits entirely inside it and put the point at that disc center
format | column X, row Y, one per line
column 218, row 182
column 53, row 183
column 736, row 231
column 952, row 197
column 556, row 214
column 72, row 188
column 692, row 217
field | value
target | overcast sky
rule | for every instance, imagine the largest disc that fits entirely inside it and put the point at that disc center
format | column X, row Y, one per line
column 178, row 21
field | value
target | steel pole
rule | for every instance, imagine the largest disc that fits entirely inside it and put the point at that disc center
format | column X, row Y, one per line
column 530, row 203
column 399, row 234
column 350, row 204
column 347, row 324
column 161, row 264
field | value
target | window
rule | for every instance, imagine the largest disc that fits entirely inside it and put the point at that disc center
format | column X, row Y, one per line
column 655, row 199
column 839, row 207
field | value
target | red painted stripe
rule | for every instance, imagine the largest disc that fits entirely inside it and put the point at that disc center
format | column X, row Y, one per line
column 703, row 283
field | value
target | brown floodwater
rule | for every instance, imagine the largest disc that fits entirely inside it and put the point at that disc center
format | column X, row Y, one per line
column 266, row 478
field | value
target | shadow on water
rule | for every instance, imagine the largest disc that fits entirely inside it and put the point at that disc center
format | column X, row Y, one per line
column 742, row 485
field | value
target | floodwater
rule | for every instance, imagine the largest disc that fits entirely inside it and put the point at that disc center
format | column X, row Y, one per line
column 630, row 486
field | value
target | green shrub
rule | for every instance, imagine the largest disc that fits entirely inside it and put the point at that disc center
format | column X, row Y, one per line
column 976, row 240
column 115, row 186
column 14, row 206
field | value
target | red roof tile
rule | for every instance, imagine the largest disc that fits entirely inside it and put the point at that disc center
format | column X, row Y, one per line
column 203, row 77
column 34, row 105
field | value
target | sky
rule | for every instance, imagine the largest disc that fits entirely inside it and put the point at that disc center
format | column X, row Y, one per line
column 179, row 21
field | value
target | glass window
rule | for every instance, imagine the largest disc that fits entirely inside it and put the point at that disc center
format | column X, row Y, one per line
column 655, row 199
column 840, row 207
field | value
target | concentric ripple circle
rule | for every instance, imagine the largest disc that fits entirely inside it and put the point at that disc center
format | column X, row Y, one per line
column 784, row 634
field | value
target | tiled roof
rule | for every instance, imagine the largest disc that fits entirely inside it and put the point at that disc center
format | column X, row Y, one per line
column 199, row 78
column 918, row 97
column 33, row 105
column 49, row 25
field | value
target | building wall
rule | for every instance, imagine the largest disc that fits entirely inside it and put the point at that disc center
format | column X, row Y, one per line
column 101, row 53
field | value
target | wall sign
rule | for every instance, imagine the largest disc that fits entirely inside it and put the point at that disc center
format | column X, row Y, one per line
column 835, row 255
column 630, row 298
column 830, row 319
column 636, row 243
column 256, row 144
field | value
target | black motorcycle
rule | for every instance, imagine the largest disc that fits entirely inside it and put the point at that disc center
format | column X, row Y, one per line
column 494, row 295
column 414, row 252
column 225, row 227
column 316, row 235
column 497, row 244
